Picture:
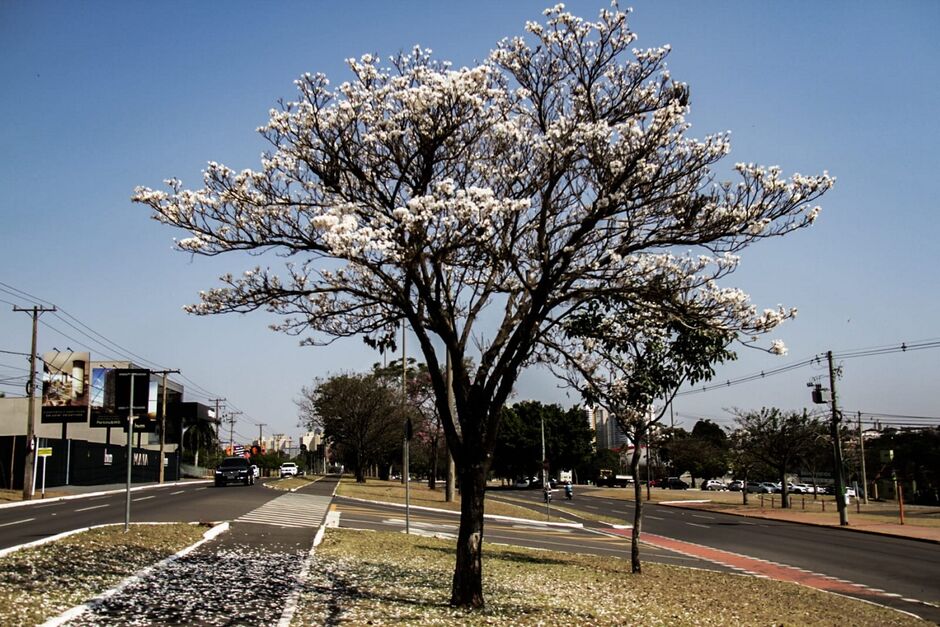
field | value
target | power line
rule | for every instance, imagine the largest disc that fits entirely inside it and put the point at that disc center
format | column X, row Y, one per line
column 903, row 347
column 101, row 341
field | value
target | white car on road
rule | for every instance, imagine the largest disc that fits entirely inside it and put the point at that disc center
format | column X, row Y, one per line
column 288, row 469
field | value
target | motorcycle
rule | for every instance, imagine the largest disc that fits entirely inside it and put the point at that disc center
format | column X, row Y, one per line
column 548, row 496
column 569, row 492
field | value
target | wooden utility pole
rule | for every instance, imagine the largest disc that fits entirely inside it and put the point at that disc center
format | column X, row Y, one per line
column 231, row 430
column 836, row 445
column 29, row 466
column 861, row 446
column 218, row 417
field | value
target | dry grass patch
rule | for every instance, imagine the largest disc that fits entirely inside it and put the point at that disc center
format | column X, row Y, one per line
column 42, row 582
column 383, row 578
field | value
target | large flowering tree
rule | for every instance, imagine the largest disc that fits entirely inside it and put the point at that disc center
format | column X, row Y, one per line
column 483, row 206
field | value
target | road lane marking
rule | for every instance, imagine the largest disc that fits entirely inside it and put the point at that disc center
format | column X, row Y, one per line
column 653, row 517
column 698, row 525
column 17, row 522
column 705, row 517
column 85, row 509
column 177, row 492
column 144, row 498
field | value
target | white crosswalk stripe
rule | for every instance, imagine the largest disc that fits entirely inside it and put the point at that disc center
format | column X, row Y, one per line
column 290, row 510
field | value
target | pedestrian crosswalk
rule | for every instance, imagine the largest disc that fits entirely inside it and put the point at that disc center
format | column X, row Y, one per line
column 290, row 510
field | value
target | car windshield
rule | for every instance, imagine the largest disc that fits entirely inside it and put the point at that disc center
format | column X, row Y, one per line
column 234, row 462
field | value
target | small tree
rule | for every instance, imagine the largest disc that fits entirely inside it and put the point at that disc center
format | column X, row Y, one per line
column 484, row 206
column 359, row 413
column 779, row 439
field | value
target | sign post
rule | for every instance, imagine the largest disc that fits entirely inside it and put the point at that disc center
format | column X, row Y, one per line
column 45, row 453
column 134, row 402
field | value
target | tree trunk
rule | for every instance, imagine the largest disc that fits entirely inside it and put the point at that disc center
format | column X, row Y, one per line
column 467, row 588
column 744, row 490
column 635, row 566
column 784, row 500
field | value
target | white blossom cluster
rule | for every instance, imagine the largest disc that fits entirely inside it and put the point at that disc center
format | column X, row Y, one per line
column 556, row 173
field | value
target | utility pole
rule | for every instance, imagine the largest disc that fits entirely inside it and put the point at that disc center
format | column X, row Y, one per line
column 261, row 427
column 836, row 444
column 218, row 417
column 29, row 466
column 861, row 447
column 231, row 430
column 163, row 421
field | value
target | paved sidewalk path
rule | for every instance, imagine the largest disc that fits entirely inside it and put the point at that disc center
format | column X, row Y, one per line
column 243, row 577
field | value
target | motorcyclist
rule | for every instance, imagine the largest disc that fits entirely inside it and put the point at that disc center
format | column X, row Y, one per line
column 569, row 491
column 548, row 492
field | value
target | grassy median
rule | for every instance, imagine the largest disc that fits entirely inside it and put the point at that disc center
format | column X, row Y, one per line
column 41, row 582
column 373, row 578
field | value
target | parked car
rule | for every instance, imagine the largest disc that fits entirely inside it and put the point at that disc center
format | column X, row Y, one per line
column 234, row 470
column 754, row 486
column 675, row 483
column 768, row 487
column 288, row 469
column 736, row 486
column 714, row 484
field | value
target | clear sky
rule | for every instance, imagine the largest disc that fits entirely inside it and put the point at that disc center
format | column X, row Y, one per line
column 98, row 97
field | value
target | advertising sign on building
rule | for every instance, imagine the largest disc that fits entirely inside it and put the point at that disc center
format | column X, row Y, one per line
column 65, row 387
column 110, row 398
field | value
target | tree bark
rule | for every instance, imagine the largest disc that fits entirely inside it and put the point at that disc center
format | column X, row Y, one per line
column 635, row 566
column 467, row 588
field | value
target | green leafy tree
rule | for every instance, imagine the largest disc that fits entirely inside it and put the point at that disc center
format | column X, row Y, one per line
column 781, row 440
column 359, row 413
column 518, row 451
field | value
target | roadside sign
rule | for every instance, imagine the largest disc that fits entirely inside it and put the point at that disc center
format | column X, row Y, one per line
column 44, row 451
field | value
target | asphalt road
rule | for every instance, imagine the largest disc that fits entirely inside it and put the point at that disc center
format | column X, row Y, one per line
column 194, row 502
column 379, row 517
column 244, row 576
column 902, row 568
column 282, row 525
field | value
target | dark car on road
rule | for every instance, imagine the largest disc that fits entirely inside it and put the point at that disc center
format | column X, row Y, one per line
column 234, row 470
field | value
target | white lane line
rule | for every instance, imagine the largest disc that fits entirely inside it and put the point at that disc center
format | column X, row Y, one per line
column 698, row 525
column 177, row 492
column 202, row 488
column 17, row 522
column 653, row 517
column 85, row 509
column 705, row 517
column 144, row 498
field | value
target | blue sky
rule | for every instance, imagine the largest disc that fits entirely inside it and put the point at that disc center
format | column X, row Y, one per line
column 98, row 97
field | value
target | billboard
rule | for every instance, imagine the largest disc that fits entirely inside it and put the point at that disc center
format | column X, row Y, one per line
column 111, row 402
column 65, row 387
